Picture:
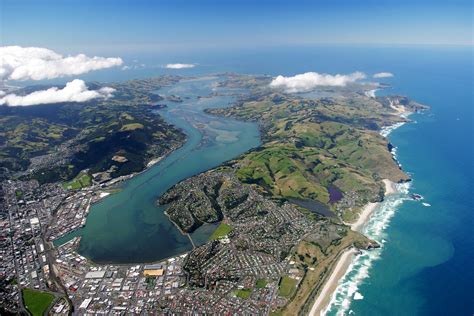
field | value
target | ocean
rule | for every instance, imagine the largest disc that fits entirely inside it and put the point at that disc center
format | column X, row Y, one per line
column 425, row 266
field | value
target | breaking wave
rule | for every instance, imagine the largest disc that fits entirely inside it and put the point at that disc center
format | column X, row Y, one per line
column 370, row 93
column 385, row 131
column 359, row 269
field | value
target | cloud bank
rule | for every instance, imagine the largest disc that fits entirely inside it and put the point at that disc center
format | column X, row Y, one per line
column 74, row 91
column 179, row 66
column 310, row 80
column 36, row 63
column 133, row 67
column 383, row 75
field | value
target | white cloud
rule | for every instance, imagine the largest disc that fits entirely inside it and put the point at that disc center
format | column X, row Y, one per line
column 74, row 91
column 36, row 63
column 133, row 67
column 383, row 75
column 310, row 80
column 179, row 66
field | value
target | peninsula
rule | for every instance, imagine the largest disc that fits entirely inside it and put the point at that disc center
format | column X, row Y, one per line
column 277, row 215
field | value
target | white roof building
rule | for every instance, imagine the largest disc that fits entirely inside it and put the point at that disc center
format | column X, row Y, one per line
column 95, row 274
column 85, row 303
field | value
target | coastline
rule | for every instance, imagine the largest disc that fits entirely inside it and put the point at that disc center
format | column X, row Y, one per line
column 108, row 190
column 345, row 260
column 364, row 216
column 323, row 300
column 341, row 266
column 370, row 207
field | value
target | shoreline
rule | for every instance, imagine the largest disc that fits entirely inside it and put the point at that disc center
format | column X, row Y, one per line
column 364, row 216
column 340, row 268
column 324, row 297
column 369, row 208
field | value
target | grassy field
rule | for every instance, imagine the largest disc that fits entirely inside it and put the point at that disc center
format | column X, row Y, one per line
column 287, row 286
column 261, row 283
column 131, row 127
column 37, row 302
column 243, row 293
column 310, row 146
column 82, row 180
column 221, row 231
column 281, row 170
column 18, row 194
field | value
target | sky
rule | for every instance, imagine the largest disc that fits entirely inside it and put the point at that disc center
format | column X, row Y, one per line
column 119, row 26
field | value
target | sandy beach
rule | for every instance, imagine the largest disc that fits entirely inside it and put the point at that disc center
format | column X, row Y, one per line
column 345, row 259
column 369, row 208
column 330, row 286
column 390, row 187
column 364, row 216
column 154, row 161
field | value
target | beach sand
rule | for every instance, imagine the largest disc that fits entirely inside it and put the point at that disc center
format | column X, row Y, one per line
column 154, row 161
column 331, row 284
column 103, row 194
column 369, row 208
column 364, row 216
column 344, row 261
column 390, row 187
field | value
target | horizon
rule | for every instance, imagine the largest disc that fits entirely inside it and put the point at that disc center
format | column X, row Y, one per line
column 123, row 27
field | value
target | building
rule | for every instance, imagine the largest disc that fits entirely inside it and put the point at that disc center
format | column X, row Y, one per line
column 85, row 303
column 152, row 266
column 95, row 275
column 153, row 272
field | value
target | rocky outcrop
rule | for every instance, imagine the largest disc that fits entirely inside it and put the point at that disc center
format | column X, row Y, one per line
column 401, row 101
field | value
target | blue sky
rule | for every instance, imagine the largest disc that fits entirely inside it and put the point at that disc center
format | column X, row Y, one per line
column 104, row 26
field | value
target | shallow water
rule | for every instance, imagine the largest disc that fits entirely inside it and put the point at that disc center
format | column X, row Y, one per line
column 128, row 227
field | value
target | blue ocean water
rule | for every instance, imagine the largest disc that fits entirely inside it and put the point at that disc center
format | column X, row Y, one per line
column 426, row 264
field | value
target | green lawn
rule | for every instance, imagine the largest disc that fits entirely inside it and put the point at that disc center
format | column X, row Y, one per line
column 221, row 231
column 37, row 302
column 261, row 283
column 131, row 127
column 287, row 286
column 82, row 180
column 18, row 194
column 244, row 293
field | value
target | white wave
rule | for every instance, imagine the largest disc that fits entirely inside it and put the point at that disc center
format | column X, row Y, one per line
column 394, row 154
column 359, row 269
column 426, row 204
column 358, row 296
column 375, row 228
column 385, row 131
column 371, row 93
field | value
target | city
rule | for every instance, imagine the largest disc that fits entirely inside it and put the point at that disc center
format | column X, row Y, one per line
column 232, row 279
